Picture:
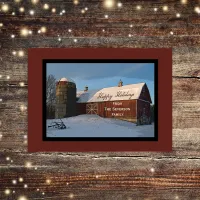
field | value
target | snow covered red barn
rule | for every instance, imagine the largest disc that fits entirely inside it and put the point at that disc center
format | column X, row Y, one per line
column 128, row 102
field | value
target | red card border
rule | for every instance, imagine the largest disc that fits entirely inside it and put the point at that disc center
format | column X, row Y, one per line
column 35, row 79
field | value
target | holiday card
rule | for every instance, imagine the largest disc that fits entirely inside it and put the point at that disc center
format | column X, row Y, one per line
column 100, row 100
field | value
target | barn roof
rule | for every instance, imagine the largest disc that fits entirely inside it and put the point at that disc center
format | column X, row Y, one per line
column 126, row 92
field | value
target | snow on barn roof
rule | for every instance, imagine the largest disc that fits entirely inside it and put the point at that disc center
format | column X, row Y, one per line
column 79, row 93
column 67, row 80
column 126, row 92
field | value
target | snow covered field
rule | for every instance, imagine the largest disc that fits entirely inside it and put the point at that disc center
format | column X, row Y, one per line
column 95, row 126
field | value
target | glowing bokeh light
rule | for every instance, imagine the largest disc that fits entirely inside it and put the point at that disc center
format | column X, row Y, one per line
column 7, row 191
column 109, row 3
column 24, row 32
column 21, row 9
column 43, row 29
column 22, row 198
column 53, row 10
column 34, row 1
column 76, row 2
column 46, row 6
column 165, row 8
column 21, row 53
column 5, row 7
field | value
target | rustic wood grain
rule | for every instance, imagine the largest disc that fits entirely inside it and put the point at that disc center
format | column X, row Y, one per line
column 109, row 175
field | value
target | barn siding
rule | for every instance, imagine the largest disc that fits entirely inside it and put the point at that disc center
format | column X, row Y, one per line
column 136, row 109
column 128, row 115
column 80, row 108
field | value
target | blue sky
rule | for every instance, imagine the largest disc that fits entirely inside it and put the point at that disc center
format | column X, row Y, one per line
column 102, row 75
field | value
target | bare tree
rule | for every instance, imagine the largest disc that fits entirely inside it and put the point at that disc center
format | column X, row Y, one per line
column 50, row 96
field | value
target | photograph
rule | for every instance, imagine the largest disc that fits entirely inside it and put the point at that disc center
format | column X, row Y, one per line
column 99, row 100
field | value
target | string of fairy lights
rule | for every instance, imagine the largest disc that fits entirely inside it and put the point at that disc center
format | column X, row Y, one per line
column 6, row 9
column 107, row 4
column 21, row 181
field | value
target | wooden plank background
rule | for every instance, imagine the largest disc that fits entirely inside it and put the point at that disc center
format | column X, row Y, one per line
column 119, row 175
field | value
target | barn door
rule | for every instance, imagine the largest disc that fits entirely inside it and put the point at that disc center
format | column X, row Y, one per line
column 92, row 108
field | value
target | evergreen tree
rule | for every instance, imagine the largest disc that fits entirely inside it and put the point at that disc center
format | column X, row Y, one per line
column 152, row 113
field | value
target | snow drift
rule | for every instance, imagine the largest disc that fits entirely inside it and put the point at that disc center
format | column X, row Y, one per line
column 96, row 126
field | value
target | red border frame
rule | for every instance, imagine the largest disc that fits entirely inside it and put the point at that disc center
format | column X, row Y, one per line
column 35, row 57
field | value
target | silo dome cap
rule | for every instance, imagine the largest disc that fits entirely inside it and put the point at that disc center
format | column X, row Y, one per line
column 67, row 80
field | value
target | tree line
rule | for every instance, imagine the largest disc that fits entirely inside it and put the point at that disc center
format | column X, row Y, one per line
column 50, row 97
